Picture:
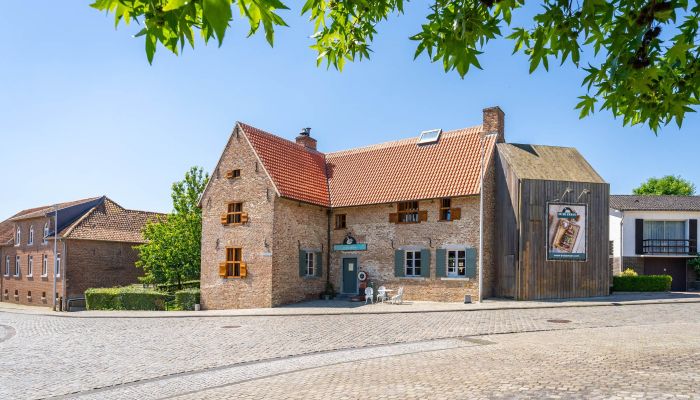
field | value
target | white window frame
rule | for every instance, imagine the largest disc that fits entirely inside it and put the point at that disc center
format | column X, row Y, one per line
column 410, row 262
column 453, row 271
column 30, row 240
column 45, row 266
column 30, row 266
column 18, row 265
column 18, row 236
column 46, row 233
column 310, row 263
column 57, row 265
column 7, row 266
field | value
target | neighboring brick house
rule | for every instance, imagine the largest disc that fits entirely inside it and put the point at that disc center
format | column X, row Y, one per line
column 281, row 219
column 95, row 244
column 655, row 235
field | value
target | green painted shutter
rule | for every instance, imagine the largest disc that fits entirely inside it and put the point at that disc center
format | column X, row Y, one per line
column 471, row 262
column 319, row 264
column 399, row 269
column 302, row 263
column 425, row 263
column 441, row 262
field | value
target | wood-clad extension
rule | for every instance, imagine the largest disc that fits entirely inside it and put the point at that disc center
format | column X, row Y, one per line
column 522, row 194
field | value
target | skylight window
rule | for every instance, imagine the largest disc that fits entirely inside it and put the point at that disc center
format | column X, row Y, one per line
column 430, row 136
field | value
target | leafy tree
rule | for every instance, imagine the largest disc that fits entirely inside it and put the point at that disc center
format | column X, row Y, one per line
column 645, row 52
column 669, row 184
column 173, row 251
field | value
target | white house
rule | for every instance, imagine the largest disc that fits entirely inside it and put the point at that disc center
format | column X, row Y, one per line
column 655, row 235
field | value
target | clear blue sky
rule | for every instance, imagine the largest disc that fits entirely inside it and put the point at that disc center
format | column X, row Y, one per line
column 83, row 114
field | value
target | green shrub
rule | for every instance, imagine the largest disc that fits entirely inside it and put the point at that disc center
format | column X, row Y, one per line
column 125, row 298
column 629, row 272
column 172, row 287
column 642, row 283
column 186, row 299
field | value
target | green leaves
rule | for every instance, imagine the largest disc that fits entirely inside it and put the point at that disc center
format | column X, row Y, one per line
column 644, row 52
column 173, row 251
column 667, row 185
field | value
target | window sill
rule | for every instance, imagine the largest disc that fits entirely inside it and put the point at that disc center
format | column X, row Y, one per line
column 413, row 278
column 310, row 277
column 30, row 276
column 44, row 276
column 454, row 278
column 230, row 277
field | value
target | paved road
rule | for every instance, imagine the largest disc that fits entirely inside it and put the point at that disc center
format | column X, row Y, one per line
column 649, row 351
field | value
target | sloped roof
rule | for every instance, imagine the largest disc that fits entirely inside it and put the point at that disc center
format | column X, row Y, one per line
column 42, row 211
column 553, row 163
column 7, row 227
column 388, row 172
column 654, row 203
column 298, row 173
column 110, row 222
column 403, row 170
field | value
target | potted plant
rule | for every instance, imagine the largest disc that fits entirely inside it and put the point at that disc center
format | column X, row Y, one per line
column 329, row 293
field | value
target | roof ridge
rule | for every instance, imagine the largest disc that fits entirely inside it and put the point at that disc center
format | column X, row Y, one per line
column 407, row 140
column 277, row 137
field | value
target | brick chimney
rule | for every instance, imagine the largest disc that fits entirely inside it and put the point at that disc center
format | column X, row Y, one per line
column 494, row 122
column 306, row 140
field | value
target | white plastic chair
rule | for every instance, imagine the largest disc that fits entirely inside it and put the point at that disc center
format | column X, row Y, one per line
column 398, row 298
column 381, row 294
column 369, row 292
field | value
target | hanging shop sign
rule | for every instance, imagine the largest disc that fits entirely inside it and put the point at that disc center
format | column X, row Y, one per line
column 350, row 244
column 566, row 232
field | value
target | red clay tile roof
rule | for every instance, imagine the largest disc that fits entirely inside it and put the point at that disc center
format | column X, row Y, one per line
column 298, row 173
column 383, row 173
column 402, row 170
column 110, row 222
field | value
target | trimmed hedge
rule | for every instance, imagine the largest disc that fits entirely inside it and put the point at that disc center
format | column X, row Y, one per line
column 186, row 299
column 125, row 298
column 642, row 283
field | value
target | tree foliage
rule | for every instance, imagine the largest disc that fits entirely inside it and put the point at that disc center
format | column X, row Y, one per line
column 670, row 184
column 173, row 252
column 646, row 66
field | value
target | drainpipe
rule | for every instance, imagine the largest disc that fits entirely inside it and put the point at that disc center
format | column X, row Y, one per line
column 64, row 265
column 55, row 251
column 328, row 247
column 481, row 220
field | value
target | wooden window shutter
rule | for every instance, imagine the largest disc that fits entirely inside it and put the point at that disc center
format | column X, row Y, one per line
column 422, row 216
column 440, row 262
column 693, row 236
column 244, row 218
column 639, row 236
column 318, row 267
column 398, row 263
column 229, row 174
column 222, row 269
column 456, row 213
column 425, row 263
column 244, row 270
column 224, row 219
column 471, row 262
column 302, row 263
column 394, row 218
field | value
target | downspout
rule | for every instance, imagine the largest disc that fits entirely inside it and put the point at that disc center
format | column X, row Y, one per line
column 328, row 247
column 481, row 221
column 55, row 251
column 64, row 265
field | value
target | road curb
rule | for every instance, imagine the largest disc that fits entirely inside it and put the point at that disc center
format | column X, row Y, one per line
column 202, row 315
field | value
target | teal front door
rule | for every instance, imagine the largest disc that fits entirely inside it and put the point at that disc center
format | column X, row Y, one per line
column 350, row 275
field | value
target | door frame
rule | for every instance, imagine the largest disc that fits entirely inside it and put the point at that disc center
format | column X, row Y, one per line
column 342, row 272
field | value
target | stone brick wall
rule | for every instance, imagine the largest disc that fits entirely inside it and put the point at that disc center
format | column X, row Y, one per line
column 297, row 226
column 37, row 284
column 257, row 193
column 370, row 224
column 94, row 264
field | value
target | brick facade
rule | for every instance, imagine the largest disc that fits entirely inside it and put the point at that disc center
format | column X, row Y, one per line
column 278, row 228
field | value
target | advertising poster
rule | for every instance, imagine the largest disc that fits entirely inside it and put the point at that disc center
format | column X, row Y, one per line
column 566, row 232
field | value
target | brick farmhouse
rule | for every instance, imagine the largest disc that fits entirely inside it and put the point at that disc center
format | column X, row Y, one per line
column 94, row 248
column 282, row 220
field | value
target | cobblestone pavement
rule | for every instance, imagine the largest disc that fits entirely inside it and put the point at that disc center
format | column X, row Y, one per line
column 641, row 351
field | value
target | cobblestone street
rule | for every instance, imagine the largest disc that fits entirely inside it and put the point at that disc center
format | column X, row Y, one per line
column 632, row 351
